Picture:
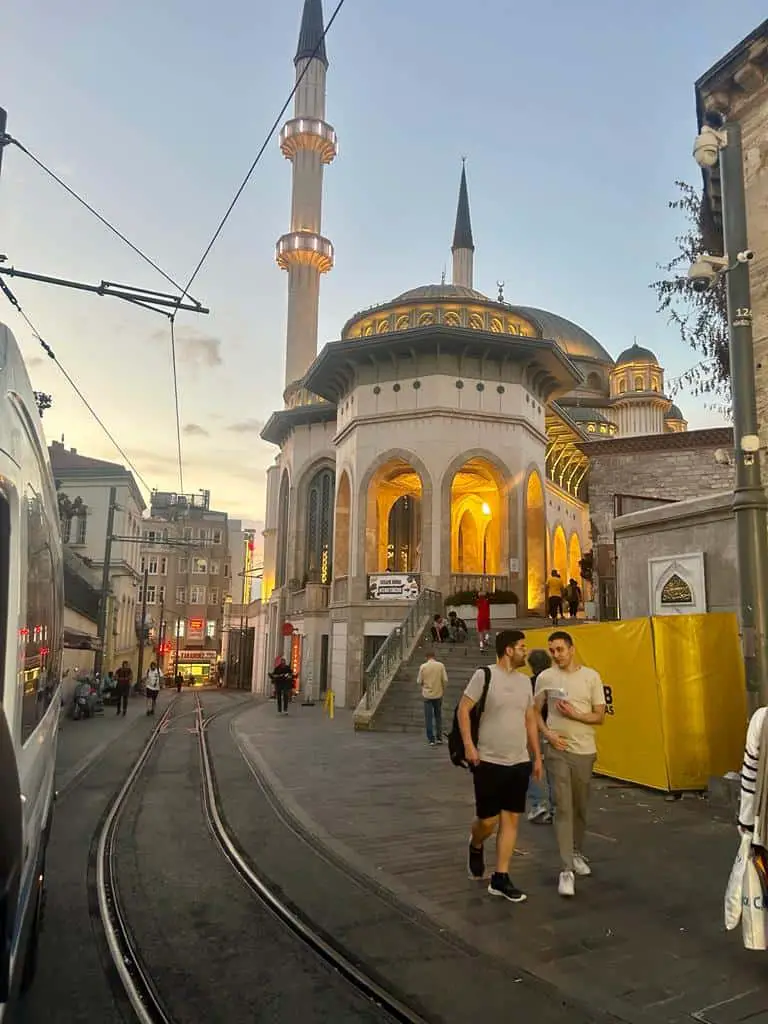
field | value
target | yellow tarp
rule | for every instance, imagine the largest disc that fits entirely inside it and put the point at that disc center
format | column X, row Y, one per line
column 674, row 694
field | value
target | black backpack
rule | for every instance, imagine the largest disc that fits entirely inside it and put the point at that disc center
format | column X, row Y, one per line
column 455, row 742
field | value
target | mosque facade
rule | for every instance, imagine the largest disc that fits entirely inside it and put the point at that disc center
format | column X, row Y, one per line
column 435, row 446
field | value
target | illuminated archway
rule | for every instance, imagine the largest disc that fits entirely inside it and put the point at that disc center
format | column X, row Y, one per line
column 393, row 519
column 535, row 540
column 318, row 562
column 477, row 507
column 574, row 557
column 341, row 532
column 283, row 508
column 560, row 552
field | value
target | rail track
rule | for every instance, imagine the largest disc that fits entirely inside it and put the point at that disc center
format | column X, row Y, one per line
column 134, row 975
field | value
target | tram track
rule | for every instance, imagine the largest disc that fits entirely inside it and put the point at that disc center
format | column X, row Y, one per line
column 136, row 977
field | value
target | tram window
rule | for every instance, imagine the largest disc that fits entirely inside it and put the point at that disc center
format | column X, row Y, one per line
column 39, row 630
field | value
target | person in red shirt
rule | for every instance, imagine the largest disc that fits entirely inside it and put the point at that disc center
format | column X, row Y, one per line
column 483, row 606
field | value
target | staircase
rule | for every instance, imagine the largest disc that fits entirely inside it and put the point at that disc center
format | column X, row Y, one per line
column 402, row 709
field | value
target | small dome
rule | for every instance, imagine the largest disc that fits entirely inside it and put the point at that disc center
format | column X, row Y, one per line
column 440, row 291
column 637, row 354
column 674, row 414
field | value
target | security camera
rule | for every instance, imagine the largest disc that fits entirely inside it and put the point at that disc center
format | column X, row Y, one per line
column 705, row 271
column 710, row 140
column 745, row 257
column 722, row 457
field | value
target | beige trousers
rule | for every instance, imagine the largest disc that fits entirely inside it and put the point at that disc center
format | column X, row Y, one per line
column 571, row 777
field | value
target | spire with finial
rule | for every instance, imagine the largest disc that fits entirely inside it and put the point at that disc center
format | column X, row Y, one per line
column 500, row 286
column 312, row 33
column 463, row 245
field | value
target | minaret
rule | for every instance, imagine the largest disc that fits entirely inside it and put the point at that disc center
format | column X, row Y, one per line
column 309, row 143
column 463, row 246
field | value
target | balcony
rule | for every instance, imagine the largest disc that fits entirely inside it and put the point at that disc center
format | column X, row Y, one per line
column 340, row 590
column 307, row 248
column 309, row 133
column 477, row 582
column 315, row 597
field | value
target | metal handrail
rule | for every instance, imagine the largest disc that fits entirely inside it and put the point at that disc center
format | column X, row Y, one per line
column 397, row 645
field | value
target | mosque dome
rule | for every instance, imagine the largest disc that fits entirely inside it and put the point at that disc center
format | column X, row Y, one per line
column 637, row 354
column 458, row 306
column 674, row 413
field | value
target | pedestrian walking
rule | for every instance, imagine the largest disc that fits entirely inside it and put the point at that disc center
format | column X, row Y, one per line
column 123, row 678
column 433, row 679
column 555, row 589
column 575, row 699
column 751, row 868
column 573, row 598
column 282, row 677
column 179, row 682
column 483, row 605
column 508, row 738
column 152, row 682
column 540, row 795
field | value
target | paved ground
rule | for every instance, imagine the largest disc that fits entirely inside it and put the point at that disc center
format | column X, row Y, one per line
column 643, row 940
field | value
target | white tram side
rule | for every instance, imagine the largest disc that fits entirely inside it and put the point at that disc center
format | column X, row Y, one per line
column 31, row 638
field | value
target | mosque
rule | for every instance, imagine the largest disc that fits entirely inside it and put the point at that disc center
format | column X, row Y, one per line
column 434, row 446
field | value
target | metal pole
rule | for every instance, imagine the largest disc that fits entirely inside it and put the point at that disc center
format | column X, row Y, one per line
column 140, row 667
column 104, row 601
column 160, row 637
column 749, row 499
column 3, row 122
column 176, row 656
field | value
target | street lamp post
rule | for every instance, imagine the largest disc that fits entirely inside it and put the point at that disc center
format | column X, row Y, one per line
column 722, row 141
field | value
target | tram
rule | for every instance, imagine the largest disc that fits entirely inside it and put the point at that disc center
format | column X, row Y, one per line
column 31, row 640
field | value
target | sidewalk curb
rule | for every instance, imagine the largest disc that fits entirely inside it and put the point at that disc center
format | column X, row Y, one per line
column 408, row 901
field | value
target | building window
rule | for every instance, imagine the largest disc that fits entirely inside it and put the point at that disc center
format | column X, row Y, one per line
column 165, row 535
column 655, row 384
column 151, row 536
column 184, row 565
column 163, row 566
column 214, row 568
column 187, row 533
column 283, row 508
column 213, row 596
column 181, row 595
column 210, row 629
column 203, row 536
column 161, row 595
column 217, row 536
column 151, row 591
column 152, row 566
column 197, row 595
column 622, row 387
column 320, row 527
column 141, row 595
column 639, row 383
column 142, row 564
column 226, row 569
column 200, row 566
column 180, row 628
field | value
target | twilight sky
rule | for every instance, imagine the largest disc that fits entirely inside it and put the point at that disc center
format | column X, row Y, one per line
column 576, row 119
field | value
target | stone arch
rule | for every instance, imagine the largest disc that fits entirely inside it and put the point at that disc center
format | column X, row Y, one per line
column 536, row 538
column 560, row 551
column 574, row 557
column 476, row 487
column 342, row 535
column 373, row 514
column 283, row 513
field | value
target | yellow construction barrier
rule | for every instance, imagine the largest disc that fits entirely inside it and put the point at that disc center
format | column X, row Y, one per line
column 675, row 699
column 329, row 704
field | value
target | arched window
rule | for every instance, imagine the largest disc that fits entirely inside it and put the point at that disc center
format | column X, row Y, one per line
column 639, row 383
column 318, row 566
column 655, row 386
column 622, row 386
column 404, row 535
column 283, row 502
column 594, row 382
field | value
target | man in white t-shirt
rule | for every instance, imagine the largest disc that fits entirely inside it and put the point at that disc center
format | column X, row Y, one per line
column 152, row 687
column 576, row 704
column 507, row 740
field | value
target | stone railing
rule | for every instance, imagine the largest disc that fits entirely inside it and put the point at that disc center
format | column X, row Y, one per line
column 396, row 649
column 480, row 581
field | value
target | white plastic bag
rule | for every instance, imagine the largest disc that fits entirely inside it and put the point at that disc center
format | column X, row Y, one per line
column 754, row 914
column 735, row 888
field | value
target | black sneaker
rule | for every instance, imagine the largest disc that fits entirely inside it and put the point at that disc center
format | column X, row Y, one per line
column 476, row 862
column 501, row 885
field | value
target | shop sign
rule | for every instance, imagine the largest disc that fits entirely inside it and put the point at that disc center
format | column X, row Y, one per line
column 197, row 655
column 195, row 629
column 391, row 586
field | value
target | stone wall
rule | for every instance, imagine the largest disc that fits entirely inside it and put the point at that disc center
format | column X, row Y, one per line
column 704, row 524
column 653, row 469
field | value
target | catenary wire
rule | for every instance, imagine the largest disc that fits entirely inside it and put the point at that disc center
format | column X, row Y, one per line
column 262, row 150
column 52, row 355
column 84, row 202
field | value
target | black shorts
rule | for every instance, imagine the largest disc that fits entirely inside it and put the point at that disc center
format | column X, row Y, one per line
column 152, row 695
column 500, row 787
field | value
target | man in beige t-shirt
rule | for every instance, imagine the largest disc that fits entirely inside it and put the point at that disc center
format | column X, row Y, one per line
column 432, row 679
column 575, row 701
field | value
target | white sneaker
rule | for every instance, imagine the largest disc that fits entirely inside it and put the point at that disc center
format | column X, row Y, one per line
column 566, row 886
column 581, row 865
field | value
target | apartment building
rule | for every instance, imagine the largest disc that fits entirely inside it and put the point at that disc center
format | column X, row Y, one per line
column 83, row 486
column 187, row 564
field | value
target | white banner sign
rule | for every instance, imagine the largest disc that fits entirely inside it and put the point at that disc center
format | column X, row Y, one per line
column 391, row 586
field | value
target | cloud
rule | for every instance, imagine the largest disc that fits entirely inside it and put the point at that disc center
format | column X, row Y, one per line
column 195, row 349
column 195, row 430
column 250, row 426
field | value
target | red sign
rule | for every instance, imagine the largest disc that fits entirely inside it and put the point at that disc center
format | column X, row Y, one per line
column 195, row 629
column 287, row 629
